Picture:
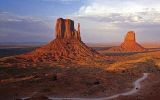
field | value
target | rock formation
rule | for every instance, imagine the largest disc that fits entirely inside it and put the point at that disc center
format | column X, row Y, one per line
column 65, row 29
column 129, row 44
column 130, row 37
column 67, row 46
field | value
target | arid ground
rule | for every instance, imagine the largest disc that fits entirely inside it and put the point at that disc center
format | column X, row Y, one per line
column 79, row 50
column 86, row 80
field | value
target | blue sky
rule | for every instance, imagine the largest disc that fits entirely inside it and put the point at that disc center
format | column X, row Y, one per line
column 102, row 21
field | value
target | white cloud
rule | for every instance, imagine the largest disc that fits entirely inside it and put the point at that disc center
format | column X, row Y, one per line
column 130, row 11
column 119, row 16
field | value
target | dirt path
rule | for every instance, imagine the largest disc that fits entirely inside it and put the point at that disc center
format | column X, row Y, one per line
column 136, row 84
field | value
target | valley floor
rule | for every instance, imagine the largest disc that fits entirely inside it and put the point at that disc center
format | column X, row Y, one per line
column 91, row 80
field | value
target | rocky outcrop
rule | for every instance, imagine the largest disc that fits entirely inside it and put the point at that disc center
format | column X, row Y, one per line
column 130, row 37
column 65, row 29
column 66, row 47
column 129, row 44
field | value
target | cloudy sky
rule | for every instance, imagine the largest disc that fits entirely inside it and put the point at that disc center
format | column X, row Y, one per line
column 102, row 21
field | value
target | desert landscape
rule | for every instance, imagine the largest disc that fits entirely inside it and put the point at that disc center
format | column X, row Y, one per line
column 102, row 51
column 67, row 69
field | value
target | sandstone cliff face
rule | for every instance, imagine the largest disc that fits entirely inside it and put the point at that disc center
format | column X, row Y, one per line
column 65, row 29
column 130, row 36
column 60, row 28
column 66, row 47
column 129, row 44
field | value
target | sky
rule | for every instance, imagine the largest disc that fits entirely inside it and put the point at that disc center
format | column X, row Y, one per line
column 102, row 21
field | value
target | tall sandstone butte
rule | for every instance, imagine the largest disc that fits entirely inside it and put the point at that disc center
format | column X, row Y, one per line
column 130, row 36
column 65, row 29
column 129, row 44
column 66, row 46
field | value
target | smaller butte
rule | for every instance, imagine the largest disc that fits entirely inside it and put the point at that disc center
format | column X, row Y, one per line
column 129, row 44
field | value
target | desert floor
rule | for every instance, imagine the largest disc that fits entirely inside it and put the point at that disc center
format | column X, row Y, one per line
column 91, row 80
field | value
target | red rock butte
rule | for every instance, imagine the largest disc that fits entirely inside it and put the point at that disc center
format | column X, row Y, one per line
column 67, row 46
column 129, row 44
column 65, row 29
